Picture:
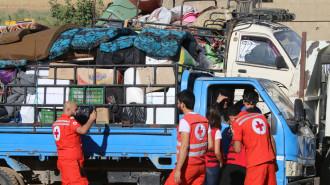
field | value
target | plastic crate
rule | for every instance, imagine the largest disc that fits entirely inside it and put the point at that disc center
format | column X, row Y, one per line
column 47, row 116
column 93, row 95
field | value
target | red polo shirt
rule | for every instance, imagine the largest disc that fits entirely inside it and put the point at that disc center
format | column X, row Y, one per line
column 252, row 129
column 67, row 140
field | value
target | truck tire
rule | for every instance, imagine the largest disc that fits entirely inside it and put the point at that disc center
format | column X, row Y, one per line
column 13, row 172
column 7, row 178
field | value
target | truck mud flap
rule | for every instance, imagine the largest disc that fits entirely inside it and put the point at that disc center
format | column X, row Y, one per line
column 309, row 181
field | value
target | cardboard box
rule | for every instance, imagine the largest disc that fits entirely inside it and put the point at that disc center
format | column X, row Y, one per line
column 103, row 76
column 164, row 76
column 54, row 95
column 61, row 73
column 163, row 115
column 102, row 115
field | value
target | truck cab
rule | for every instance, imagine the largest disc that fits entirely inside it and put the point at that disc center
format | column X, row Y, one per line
column 295, row 142
column 263, row 50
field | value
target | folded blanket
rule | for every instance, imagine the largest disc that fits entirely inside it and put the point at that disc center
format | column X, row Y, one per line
column 12, row 63
column 89, row 38
column 62, row 44
column 118, row 44
column 162, row 43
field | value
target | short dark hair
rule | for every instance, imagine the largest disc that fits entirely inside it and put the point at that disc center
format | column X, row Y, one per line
column 251, row 97
column 248, row 89
column 232, row 111
column 214, row 116
column 188, row 98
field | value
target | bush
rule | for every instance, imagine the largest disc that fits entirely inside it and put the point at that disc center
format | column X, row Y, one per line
column 80, row 13
column 41, row 17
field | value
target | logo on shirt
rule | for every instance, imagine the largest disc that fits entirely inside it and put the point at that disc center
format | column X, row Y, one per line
column 74, row 123
column 56, row 133
column 200, row 131
column 259, row 126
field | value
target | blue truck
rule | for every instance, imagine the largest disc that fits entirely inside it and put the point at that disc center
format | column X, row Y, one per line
column 145, row 154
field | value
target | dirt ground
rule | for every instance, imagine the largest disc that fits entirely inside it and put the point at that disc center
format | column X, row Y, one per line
column 40, row 5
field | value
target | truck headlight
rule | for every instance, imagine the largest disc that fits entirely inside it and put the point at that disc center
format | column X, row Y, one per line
column 293, row 169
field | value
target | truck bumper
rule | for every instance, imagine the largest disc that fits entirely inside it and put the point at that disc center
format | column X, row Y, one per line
column 310, row 181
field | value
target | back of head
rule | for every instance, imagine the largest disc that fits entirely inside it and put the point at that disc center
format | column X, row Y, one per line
column 188, row 98
column 232, row 111
column 251, row 97
column 214, row 116
column 68, row 106
column 248, row 89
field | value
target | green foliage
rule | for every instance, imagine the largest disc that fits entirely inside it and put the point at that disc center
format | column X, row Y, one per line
column 80, row 13
column 41, row 17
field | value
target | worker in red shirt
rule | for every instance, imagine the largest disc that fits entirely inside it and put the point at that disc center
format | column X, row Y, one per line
column 194, row 139
column 235, row 169
column 253, row 130
column 66, row 132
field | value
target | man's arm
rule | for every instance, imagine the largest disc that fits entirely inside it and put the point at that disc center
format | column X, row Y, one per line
column 237, row 137
column 209, row 141
column 217, row 151
column 273, row 144
column 237, row 145
column 185, row 137
column 84, row 129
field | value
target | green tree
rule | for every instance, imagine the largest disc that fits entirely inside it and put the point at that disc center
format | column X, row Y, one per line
column 80, row 13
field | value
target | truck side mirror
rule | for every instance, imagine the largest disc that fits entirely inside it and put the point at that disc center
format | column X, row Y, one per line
column 298, row 110
column 280, row 62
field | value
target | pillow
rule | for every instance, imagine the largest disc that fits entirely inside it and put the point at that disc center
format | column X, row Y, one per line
column 31, row 26
column 13, row 36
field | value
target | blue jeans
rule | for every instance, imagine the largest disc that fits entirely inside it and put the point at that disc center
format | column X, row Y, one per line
column 212, row 175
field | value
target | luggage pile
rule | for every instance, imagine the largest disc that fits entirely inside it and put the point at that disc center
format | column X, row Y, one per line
column 126, row 74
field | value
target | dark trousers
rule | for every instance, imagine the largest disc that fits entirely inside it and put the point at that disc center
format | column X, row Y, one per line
column 233, row 175
column 212, row 175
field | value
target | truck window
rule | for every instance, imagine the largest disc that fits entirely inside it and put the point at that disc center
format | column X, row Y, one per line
column 257, row 50
column 291, row 42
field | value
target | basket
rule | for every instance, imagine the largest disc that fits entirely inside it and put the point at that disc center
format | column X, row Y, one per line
column 47, row 116
column 93, row 95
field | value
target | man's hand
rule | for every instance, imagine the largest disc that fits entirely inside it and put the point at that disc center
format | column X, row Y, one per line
column 276, row 166
column 177, row 176
column 221, row 164
column 84, row 129
column 93, row 115
column 221, row 97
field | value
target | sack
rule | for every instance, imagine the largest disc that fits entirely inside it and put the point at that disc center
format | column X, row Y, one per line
column 127, row 115
column 129, row 55
column 114, row 96
column 83, row 114
column 4, row 117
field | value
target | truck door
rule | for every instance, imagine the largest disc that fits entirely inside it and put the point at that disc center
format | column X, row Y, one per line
column 259, row 57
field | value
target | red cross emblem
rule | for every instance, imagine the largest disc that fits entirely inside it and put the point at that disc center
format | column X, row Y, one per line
column 259, row 126
column 56, row 133
column 200, row 131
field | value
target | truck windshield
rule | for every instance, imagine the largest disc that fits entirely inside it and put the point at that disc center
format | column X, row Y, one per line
column 291, row 42
column 281, row 101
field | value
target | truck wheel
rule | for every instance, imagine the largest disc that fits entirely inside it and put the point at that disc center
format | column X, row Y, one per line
column 13, row 172
column 7, row 178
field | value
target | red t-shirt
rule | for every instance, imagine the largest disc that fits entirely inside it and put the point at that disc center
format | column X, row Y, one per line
column 67, row 140
column 252, row 129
